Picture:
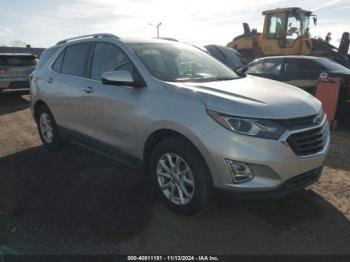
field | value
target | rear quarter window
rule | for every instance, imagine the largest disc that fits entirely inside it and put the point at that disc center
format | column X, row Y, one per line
column 46, row 55
column 57, row 66
column 333, row 66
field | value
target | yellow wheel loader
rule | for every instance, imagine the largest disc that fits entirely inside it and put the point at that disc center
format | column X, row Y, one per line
column 286, row 32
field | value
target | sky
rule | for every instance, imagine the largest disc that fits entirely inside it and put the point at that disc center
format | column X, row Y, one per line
column 42, row 23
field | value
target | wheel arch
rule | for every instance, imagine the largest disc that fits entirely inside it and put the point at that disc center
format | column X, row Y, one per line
column 159, row 135
column 36, row 106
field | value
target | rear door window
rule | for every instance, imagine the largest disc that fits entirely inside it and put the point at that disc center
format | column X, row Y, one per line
column 310, row 69
column 292, row 70
column 308, row 64
column 303, row 69
column 75, row 60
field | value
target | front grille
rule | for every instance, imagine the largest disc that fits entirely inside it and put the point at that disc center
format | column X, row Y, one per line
column 305, row 179
column 298, row 123
column 19, row 85
column 301, row 122
column 309, row 142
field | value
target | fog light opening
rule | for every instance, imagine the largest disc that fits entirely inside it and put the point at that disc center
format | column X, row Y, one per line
column 239, row 171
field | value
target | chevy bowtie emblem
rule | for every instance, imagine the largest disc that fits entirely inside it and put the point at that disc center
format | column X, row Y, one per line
column 317, row 120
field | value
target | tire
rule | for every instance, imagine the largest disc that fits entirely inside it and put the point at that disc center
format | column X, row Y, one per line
column 196, row 197
column 48, row 129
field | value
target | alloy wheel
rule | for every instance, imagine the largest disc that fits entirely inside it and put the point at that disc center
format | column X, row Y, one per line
column 175, row 178
column 46, row 128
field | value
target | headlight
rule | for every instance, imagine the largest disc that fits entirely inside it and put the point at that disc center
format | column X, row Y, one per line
column 251, row 127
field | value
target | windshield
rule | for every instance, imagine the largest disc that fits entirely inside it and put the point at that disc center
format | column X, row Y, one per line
column 176, row 62
column 16, row 61
column 334, row 67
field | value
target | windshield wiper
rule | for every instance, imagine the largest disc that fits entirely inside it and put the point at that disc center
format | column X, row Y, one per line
column 204, row 79
column 190, row 80
column 223, row 78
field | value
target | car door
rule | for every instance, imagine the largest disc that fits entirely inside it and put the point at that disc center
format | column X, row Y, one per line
column 303, row 73
column 267, row 68
column 113, row 109
column 291, row 73
column 68, row 87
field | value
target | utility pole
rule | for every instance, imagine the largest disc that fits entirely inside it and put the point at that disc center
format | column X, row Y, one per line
column 157, row 26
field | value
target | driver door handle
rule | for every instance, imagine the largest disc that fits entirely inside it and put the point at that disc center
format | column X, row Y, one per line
column 88, row 90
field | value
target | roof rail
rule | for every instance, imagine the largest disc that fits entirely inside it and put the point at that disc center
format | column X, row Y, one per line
column 86, row 36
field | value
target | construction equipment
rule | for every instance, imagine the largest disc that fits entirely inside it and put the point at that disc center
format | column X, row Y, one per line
column 286, row 32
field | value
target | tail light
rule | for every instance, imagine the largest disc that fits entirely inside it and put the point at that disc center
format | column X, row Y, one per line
column 3, row 70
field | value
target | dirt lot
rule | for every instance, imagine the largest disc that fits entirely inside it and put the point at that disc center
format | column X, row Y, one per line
column 77, row 202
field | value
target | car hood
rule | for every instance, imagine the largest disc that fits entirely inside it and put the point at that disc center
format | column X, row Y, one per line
column 252, row 97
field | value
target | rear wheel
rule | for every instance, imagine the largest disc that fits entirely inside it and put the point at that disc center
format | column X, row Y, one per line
column 48, row 129
column 181, row 177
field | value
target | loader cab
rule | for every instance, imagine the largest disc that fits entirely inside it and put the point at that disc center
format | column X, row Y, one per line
column 286, row 32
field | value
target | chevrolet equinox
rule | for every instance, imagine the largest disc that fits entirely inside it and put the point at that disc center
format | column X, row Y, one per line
column 194, row 124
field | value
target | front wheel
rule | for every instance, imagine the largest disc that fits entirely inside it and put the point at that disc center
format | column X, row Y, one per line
column 181, row 177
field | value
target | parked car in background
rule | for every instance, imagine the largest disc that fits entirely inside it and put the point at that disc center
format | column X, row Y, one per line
column 189, row 120
column 228, row 56
column 15, row 69
column 303, row 72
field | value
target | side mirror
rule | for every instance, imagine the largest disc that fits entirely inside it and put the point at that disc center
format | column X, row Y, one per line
column 315, row 20
column 323, row 75
column 117, row 78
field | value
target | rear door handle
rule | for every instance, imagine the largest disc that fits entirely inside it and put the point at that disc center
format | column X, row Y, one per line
column 88, row 89
column 49, row 80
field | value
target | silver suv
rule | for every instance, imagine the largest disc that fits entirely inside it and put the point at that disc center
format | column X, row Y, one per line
column 192, row 122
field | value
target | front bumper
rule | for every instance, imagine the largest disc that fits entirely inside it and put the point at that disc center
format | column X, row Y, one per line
column 291, row 185
column 273, row 162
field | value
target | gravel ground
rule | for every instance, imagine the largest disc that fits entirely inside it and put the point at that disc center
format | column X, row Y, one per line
column 78, row 202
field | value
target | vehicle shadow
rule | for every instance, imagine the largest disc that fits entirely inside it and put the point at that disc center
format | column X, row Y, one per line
column 70, row 196
column 12, row 102
column 78, row 202
column 281, row 213
column 301, row 223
